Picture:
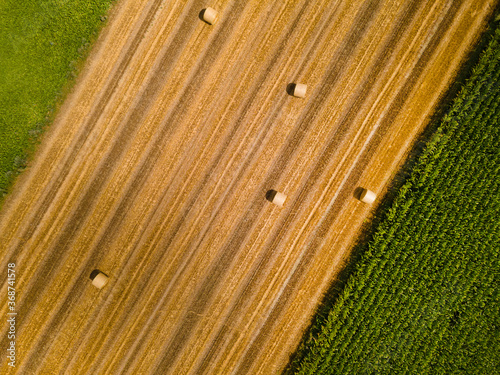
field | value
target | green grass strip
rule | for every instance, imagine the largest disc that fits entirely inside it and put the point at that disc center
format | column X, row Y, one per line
column 424, row 298
column 42, row 43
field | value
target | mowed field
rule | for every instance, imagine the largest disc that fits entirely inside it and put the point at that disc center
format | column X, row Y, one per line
column 157, row 167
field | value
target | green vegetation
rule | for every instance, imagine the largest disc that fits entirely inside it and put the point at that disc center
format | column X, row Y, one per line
column 41, row 44
column 424, row 297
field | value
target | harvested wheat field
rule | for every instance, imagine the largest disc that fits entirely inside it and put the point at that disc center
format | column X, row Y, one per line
column 157, row 168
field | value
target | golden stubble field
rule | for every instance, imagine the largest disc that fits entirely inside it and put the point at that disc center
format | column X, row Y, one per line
column 157, row 167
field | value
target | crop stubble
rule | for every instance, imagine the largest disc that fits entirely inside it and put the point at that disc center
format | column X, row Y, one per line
column 156, row 169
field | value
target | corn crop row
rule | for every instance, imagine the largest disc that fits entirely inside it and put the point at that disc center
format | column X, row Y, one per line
column 425, row 297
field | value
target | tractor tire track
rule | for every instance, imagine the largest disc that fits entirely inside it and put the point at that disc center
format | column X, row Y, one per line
column 170, row 202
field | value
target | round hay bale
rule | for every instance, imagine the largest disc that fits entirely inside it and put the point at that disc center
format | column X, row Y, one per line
column 367, row 196
column 279, row 199
column 300, row 90
column 100, row 280
column 210, row 15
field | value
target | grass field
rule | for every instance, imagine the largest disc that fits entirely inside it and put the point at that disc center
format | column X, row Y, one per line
column 425, row 296
column 41, row 44
column 156, row 168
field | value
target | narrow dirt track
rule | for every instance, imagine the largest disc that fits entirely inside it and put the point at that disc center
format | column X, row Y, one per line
column 157, row 167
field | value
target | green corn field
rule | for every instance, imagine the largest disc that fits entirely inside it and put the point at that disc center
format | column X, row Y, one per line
column 424, row 298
